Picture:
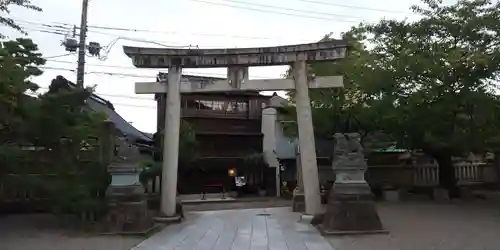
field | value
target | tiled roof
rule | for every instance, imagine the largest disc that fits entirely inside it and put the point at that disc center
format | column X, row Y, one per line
column 99, row 104
column 123, row 126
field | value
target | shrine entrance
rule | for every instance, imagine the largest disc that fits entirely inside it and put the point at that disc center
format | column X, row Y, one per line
column 237, row 61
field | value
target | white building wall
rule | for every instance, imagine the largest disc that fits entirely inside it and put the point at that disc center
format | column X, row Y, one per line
column 270, row 133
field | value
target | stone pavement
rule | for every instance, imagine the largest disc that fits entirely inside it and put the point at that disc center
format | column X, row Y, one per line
column 237, row 204
column 245, row 229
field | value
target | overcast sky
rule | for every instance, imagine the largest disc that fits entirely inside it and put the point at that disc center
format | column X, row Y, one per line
column 206, row 23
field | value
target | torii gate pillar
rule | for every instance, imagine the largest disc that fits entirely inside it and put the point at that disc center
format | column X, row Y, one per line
column 171, row 142
column 308, row 164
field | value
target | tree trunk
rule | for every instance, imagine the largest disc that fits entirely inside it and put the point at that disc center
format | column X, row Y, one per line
column 447, row 178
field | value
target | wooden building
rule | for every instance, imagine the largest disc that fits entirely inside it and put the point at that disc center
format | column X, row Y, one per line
column 228, row 131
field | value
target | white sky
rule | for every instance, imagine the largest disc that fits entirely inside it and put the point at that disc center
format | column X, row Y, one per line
column 184, row 22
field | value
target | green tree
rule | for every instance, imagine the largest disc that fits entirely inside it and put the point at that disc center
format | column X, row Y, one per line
column 440, row 79
column 188, row 152
column 19, row 62
column 63, row 124
column 430, row 84
column 188, row 146
column 62, row 113
column 343, row 109
column 5, row 6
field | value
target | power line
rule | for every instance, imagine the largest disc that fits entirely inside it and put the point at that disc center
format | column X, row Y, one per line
column 69, row 26
column 60, row 32
column 126, row 104
column 357, row 7
column 121, row 104
column 43, row 27
column 175, row 32
column 47, row 28
column 56, row 32
column 117, row 96
column 132, row 75
column 275, row 12
column 290, row 9
column 100, row 72
column 133, row 68
column 63, row 55
column 55, row 26
column 134, row 106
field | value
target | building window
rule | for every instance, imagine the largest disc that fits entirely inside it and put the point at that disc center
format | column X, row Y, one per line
column 235, row 106
column 216, row 105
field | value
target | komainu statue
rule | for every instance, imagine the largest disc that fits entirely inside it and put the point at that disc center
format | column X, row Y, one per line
column 351, row 208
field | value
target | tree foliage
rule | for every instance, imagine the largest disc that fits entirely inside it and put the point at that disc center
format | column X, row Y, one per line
column 5, row 6
column 344, row 109
column 428, row 84
column 53, row 134
column 188, row 146
column 19, row 61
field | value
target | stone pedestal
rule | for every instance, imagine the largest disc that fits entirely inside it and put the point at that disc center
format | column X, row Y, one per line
column 351, row 210
column 298, row 201
column 392, row 195
column 440, row 194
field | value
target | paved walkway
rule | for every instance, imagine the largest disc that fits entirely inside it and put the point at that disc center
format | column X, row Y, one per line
column 246, row 229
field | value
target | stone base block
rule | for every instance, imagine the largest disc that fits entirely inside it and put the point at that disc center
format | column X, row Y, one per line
column 298, row 202
column 353, row 232
column 167, row 219
column 392, row 195
column 440, row 194
column 466, row 193
column 317, row 219
column 145, row 232
column 179, row 215
column 350, row 213
column 306, row 218
column 130, row 216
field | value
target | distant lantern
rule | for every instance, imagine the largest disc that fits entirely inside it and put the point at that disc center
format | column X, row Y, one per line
column 231, row 172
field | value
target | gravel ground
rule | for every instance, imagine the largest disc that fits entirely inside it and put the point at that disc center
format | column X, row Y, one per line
column 431, row 226
column 44, row 232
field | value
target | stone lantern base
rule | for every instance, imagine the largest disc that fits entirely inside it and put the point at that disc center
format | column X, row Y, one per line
column 351, row 210
column 128, row 213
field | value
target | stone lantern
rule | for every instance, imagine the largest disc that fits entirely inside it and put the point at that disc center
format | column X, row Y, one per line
column 128, row 208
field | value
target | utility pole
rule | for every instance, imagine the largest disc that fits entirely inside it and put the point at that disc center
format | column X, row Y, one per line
column 80, row 70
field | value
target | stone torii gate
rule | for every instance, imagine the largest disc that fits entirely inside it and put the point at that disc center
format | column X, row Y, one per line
column 237, row 60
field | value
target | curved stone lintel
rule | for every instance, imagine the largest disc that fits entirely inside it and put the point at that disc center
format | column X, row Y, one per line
column 143, row 57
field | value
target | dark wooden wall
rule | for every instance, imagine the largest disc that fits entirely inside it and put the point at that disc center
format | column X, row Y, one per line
column 254, row 103
column 228, row 128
